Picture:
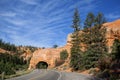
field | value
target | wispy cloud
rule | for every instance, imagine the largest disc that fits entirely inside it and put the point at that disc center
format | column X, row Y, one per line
column 113, row 16
column 16, row 22
column 8, row 14
column 31, row 2
column 37, row 23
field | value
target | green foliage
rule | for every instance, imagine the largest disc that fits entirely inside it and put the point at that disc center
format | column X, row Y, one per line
column 111, row 63
column 75, row 50
column 10, row 63
column 115, row 55
column 76, row 21
column 89, row 22
column 55, row 46
column 76, row 61
column 104, row 63
column 8, row 46
column 63, row 55
column 99, row 20
column 116, row 50
column 95, row 40
column 32, row 48
column 89, row 59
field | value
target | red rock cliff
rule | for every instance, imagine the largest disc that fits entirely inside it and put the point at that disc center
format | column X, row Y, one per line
column 51, row 55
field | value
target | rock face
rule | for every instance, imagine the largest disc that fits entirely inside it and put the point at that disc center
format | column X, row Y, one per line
column 51, row 55
column 112, row 32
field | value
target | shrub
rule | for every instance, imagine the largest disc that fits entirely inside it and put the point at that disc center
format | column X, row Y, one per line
column 11, row 63
column 63, row 54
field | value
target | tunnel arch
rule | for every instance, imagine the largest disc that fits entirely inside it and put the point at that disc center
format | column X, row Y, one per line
column 42, row 65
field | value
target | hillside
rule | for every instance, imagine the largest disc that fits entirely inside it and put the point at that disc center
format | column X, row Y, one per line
column 14, row 58
column 112, row 33
column 51, row 55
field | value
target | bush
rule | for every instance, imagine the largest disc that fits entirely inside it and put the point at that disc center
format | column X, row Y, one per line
column 104, row 63
column 104, row 74
column 63, row 55
column 11, row 63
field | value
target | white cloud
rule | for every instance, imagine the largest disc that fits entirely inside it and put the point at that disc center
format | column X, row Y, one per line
column 49, row 5
column 39, row 28
column 8, row 14
column 82, row 4
column 31, row 2
column 113, row 16
column 17, row 22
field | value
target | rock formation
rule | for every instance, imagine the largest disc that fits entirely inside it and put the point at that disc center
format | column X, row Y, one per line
column 51, row 55
column 48, row 55
column 112, row 32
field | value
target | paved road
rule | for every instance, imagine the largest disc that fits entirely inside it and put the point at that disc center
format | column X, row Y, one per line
column 39, row 74
column 76, row 76
column 53, row 75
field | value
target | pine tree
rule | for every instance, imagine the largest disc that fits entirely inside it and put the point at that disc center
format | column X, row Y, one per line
column 95, row 41
column 89, row 22
column 99, row 20
column 116, row 50
column 75, row 50
column 115, row 55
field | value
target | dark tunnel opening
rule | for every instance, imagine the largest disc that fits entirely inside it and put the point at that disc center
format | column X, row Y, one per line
column 42, row 65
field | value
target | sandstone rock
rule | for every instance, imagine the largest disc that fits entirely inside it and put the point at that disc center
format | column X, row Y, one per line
column 2, row 50
column 50, row 55
column 27, row 54
column 112, row 32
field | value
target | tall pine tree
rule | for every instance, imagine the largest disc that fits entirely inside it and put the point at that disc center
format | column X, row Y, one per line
column 75, row 50
column 95, row 40
column 89, row 22
column 99, row 20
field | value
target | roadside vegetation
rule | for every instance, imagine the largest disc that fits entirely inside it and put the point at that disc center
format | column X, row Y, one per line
column 7, row 46
column 63, row 55
column 11, row 61
column 95, row 55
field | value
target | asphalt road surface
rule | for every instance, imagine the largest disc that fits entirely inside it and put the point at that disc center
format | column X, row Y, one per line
column 39, row 74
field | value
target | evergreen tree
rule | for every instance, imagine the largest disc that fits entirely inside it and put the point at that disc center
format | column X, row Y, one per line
column 55, row 46
column 89, row 22
column 115, row 63
column 63, row 55
column 95, row 40
column 99, row 20
column 75, row 50
column 116, row 50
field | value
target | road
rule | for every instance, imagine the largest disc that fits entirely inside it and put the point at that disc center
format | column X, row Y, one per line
column 39, row 74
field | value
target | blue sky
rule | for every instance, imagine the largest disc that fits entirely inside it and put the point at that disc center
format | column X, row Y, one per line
column 43, row 23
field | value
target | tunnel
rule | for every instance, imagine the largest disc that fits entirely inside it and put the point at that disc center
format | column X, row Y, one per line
column 42, row 65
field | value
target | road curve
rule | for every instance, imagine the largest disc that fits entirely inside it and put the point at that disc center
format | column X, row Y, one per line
column 39, row 74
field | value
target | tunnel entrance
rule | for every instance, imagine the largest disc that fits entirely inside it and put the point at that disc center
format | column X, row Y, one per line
column 42, row 65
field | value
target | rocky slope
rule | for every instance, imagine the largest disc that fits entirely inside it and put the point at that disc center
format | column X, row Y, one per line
column 51, row 55
column 112, row 32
